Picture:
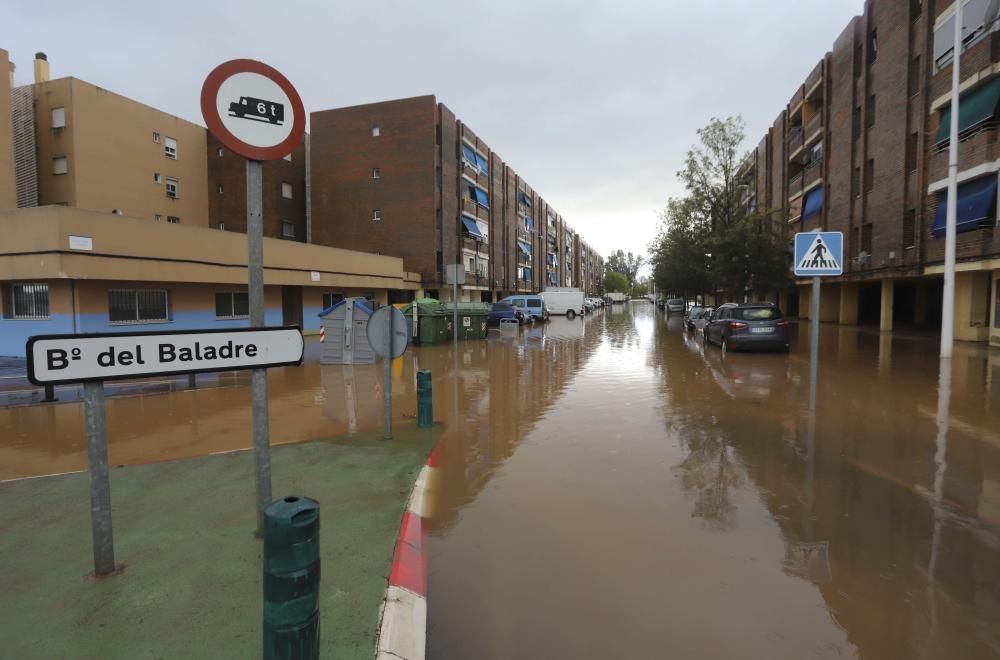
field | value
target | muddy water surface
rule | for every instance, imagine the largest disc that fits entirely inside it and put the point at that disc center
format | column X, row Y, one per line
column 610, row 488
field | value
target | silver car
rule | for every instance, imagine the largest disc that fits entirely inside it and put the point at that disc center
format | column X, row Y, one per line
column 675, row 306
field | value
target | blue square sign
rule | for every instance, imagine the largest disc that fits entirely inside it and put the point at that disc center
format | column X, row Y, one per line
column 819, row 254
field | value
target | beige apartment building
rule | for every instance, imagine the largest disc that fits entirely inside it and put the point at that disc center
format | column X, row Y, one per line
column 8, row 189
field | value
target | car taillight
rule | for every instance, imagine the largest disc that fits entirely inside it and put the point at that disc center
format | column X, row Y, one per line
column 736, row 325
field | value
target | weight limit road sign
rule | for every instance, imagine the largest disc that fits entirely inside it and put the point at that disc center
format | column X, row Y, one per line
column 59, row 359
column 819, row 254
column 253, row 110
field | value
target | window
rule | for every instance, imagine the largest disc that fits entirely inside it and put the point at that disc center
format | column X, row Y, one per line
column 286, row 190
column 170, row 148
column 376, row 215
column 222, row 226
column 156, row 137
column 911, row 151
column 173, row 219
column 173, row 188
column 909, row 229
column 27, row 301
column 872, row 45
column 913, row 79
column 856, row 122
column 974, row 28
column 232, row 305
column 866, row 238
column 815, row 156
column 157, row 217
column 157, row 178
column 376, row 131
column 287, row 229
column 854, row 240
column 479, row 196
column 856, row 182
column 137, row 305
column 59, row 165
column 870, row 112
column 287, row 157
column 331, row 299
column 472, row 265
column 915, row 8
column 219, row 152
column 376, row 173
column 857, row 61
column 220, row 188
column 58, row 117
column 870, row 175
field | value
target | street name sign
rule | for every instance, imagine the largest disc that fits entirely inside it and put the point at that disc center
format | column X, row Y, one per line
column 60, row 359
column 377, row 327
column 253, row 110
column 819, row 254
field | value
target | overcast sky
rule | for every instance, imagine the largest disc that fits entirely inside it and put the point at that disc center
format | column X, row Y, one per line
column 593, row 102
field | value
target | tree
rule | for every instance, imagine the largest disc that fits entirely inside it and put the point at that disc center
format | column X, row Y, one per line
column 712, row 237
column 626, row 263
column 615, row 282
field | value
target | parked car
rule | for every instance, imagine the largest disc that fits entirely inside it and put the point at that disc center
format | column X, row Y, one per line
column 532, row 306
column 675, row 306
column 502, row 310
column 588, row 305
column 696, row 317
column 748, row 326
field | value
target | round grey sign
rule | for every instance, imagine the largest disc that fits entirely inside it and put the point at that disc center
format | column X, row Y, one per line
column 378, row 327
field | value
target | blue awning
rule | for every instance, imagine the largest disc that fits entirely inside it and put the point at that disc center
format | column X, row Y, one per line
column 529, row 224
column 483, row 166
column 522, row 198
column 468, row 154
column 472, row 228
column 814, row 202
column 480, row 196
column 525, row 248
column 977, row 205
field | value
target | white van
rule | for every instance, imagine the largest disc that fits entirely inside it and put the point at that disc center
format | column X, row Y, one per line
column 563, row 300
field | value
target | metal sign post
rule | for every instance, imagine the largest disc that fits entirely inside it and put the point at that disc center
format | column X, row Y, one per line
column 453, row 275
column 388, row 339
column 819, row 254
column 255, row 112
column 100, row 485
column 93, row 358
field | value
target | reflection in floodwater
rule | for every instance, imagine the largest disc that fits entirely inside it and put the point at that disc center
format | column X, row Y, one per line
column 609, row 487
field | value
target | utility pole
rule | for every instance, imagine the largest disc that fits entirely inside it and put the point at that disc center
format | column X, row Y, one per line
column 948, row 299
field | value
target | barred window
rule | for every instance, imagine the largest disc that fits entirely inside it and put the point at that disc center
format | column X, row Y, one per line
column 27, row 301
column 232, row 305
column 137, row 305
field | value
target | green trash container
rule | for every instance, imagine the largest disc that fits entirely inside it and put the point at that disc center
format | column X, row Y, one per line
column 433, row 324
column 471, row 320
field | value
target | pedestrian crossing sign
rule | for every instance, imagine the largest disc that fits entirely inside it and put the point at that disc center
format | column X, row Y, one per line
column 819, row 253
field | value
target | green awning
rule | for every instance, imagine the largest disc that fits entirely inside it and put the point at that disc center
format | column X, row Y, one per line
column 974, row 108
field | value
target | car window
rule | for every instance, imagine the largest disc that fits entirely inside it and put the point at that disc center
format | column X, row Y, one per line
column 517, row 302
column 534, row 302
column 759, row 313
column 723, row 313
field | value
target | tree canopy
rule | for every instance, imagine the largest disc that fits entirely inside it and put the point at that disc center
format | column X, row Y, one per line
column 626, row 263
column 615, row 282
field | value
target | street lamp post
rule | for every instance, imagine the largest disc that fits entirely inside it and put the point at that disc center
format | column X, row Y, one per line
column 948, row 298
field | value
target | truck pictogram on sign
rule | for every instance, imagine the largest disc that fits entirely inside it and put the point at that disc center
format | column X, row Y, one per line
column 258, row 110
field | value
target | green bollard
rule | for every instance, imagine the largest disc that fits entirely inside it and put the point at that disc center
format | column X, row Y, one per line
column 425, row 400
column 291, row 579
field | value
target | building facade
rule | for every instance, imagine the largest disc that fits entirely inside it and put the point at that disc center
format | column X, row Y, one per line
column 861, row 148
column 410, row 179
column 8, row 186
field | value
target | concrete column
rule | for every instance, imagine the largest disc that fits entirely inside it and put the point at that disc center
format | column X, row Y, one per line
column 888, row 289
column 849, row 303
column 994, row 332
column 920, row 302
column 885, row 351
column 972, row 306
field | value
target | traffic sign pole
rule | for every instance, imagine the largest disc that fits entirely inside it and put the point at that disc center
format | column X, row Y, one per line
column 814, row 344
column 100, row 485
column 387, row 375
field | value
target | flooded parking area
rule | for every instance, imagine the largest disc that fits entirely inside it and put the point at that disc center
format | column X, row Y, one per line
column 610, row 487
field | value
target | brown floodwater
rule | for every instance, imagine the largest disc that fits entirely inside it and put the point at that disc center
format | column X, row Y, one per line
column 608, row 488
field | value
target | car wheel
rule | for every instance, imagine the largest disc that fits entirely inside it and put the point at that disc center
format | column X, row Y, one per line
column 570, row 314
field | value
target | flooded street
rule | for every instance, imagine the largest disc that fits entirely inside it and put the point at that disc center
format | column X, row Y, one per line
column 608, row 487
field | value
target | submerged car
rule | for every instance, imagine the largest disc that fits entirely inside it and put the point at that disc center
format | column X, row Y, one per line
column 502, row 310
column 748, row 326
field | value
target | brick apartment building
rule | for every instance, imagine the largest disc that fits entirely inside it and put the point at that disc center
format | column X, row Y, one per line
column 861, row 148
column 111, row 212
column 407, row 178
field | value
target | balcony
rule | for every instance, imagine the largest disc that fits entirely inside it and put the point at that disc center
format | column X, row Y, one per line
column 815, row 76
column 796, row 99
column 470, row 243
column 795, row 140
column 522, row 234
column 525, row 285
column 795, row 185
column 812, row 172
column 813, row 125
column 477, row 279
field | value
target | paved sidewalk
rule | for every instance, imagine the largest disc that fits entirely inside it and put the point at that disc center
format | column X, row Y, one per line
column 192, row 583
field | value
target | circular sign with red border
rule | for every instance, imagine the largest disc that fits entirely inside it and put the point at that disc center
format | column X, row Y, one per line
column 253, row 110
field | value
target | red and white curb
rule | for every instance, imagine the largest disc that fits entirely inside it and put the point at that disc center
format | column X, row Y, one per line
column 403, row 624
